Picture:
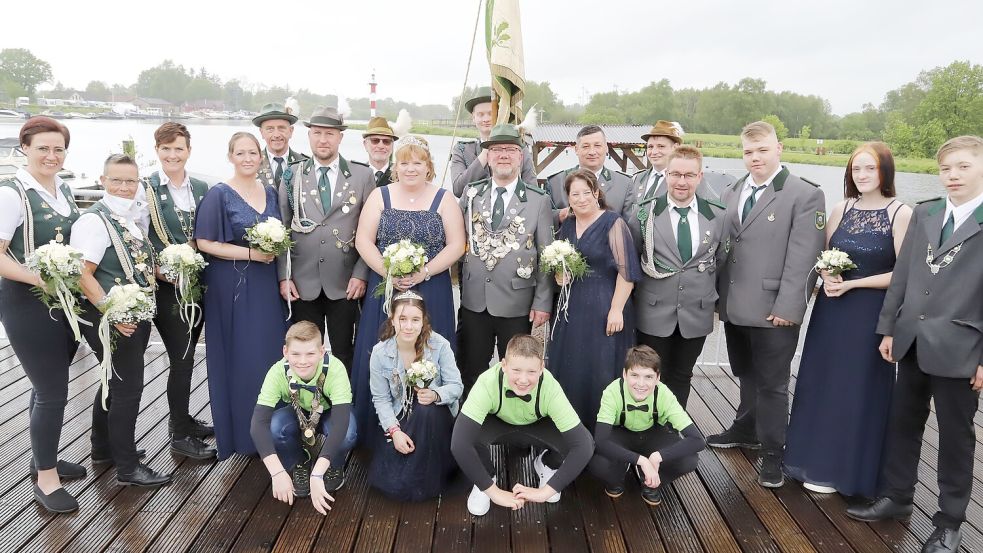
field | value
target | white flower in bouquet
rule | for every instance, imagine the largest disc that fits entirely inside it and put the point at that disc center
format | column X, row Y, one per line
column 834, row 262
column 421, row 373
column 400, row 259
column 124, row 304
column 182, row 265
column 561, row 258
column 269, row 236
column 60, row 268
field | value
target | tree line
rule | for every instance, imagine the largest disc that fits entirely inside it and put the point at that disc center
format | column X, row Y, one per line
column 913, row 119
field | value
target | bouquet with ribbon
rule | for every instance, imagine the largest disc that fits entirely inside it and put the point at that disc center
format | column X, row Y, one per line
column 60, row 269
column 269, row 236
column 835, row 262
column 124, row 304
column 400, row 259
column 562, row 259
column 419, row 375
column 182, row 265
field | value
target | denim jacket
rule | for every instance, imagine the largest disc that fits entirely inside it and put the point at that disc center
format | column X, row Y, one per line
column 387, row 394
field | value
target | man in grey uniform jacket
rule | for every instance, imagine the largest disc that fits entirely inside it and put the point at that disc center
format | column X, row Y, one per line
column 276, row 126
column 592, row 150
column 678, row 234
column 774, row 226
column 932, row 323
column 320, row 200
column 469, row 160
column 508, row 223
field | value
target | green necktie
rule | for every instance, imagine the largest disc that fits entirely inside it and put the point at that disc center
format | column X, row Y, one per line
column 684, row 239
column 654, row 187
column 279, row 170
column 499, row 210
column 324, row 187
column 749, row 203
column 948, row 228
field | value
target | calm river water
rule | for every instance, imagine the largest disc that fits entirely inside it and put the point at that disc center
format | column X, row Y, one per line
column 93, row 140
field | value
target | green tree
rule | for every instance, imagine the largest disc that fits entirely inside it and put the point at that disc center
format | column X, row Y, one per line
column 24, row 68
column 98, row 91
column 166, row 81
column 854, row 126
column 805, row 132
column 900, row 136
column 780, row 129
column 952, row 105
column 542, row 96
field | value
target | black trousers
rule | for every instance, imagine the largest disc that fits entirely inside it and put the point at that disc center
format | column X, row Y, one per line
column 540, row 434
column 762, row 359
column 612, row 471
column 113, row 430
column 955, row 407
column 342, row 318
column 479, row 332
column 678, row 359
column 45, row 347
column 174, row 333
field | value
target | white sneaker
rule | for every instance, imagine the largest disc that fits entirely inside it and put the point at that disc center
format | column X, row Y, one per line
column 478, row 502
column 545, row 473
column 817, row 488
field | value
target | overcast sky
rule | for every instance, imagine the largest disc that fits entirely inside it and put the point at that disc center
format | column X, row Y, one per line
column 849, row 52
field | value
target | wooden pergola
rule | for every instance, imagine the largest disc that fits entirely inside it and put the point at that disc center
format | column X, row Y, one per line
column 623, row 140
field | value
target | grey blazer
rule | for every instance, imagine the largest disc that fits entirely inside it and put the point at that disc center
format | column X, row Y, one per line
column 466, row 169
column 265, row 174
column 768, row 259
column 940, row 311
column 671, row 292
column 513, row 285
column 615, row 184
column 325, row 258
column 641, row 179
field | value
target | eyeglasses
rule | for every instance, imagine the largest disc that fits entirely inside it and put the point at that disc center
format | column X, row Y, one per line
column 684, row 176
column 505, row 150
column 47, row 150
column 378, row 140
column 127, row 182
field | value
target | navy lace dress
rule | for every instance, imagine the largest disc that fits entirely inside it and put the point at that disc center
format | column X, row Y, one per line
column 244, row 317
column 582, row 357
column 843, row 394
column 427, row 229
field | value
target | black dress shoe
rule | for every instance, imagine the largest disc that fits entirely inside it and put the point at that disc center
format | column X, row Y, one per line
column 193, row 448
column 652, row 496
column 102, row 457
column 883, row 509
column 614, row 491
column 771, row 475
column 732, row 438
column 194, row 427
column 143, row 476
column 58, row 501
column 943, row 540
column 66, row 470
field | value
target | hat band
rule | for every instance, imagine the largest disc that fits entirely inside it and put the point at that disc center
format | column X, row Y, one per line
column 323, row 121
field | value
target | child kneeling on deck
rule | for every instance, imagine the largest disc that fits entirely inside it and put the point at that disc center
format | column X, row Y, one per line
column 305, row 394
column 639, row 423
column 526, row 407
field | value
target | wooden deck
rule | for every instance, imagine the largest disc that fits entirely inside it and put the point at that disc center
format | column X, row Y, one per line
column 228, row 506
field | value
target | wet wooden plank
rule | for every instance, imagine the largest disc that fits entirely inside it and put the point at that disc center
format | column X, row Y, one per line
column 600, row 521
column 234, row 512
column 703, row 515
column 677, row 533
column 378, row 527
column 416, row 527
column 452, row 531
column 491, row 531
column 637, row 528
column 565, row 523
column 342, row 525
column 528, row 524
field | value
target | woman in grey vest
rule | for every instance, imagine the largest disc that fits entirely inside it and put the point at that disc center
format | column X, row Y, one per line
column 36, row 207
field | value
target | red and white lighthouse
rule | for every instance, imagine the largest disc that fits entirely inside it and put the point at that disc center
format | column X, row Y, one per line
column 372, row 85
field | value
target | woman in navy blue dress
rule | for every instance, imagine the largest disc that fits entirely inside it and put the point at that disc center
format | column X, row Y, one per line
column 843, row 394
column 589, row 342
column 244, row 315
column 410, row 208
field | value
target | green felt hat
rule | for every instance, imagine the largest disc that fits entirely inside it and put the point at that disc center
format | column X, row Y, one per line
column 274, row 111
column 504, row 134
column 482, row 95
column 326, row 117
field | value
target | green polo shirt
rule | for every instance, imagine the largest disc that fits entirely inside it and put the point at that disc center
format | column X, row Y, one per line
column 668, row 410
column 276, row 386
column 553, row 403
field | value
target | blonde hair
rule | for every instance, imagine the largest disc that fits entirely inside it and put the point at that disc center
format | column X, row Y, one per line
column 685, row 151
column 758, row 130
column 303, row 331
column 524, row 345
column 240, row 134
column 967, row 142
column 410, row 151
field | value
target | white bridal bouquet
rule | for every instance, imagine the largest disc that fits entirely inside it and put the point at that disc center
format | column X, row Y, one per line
column 182, row 265
column 60, row 269
column 419, row 375
column 562, row 259
column 834, row 262
column 400, row 259
column 269, row 236
column 124, row 304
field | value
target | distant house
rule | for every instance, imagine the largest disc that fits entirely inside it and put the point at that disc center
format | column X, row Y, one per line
column 154, row 106
column 203, row 105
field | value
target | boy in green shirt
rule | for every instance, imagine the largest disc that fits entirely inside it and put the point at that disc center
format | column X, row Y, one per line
column 639, row 423
column 527, row 407
column 305, row 394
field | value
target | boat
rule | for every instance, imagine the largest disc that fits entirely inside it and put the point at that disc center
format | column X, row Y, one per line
column 12, row 159
column 10, row 114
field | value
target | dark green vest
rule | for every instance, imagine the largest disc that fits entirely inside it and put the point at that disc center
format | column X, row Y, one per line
column 41, row 222
column 111, row 270
column 165, row 221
